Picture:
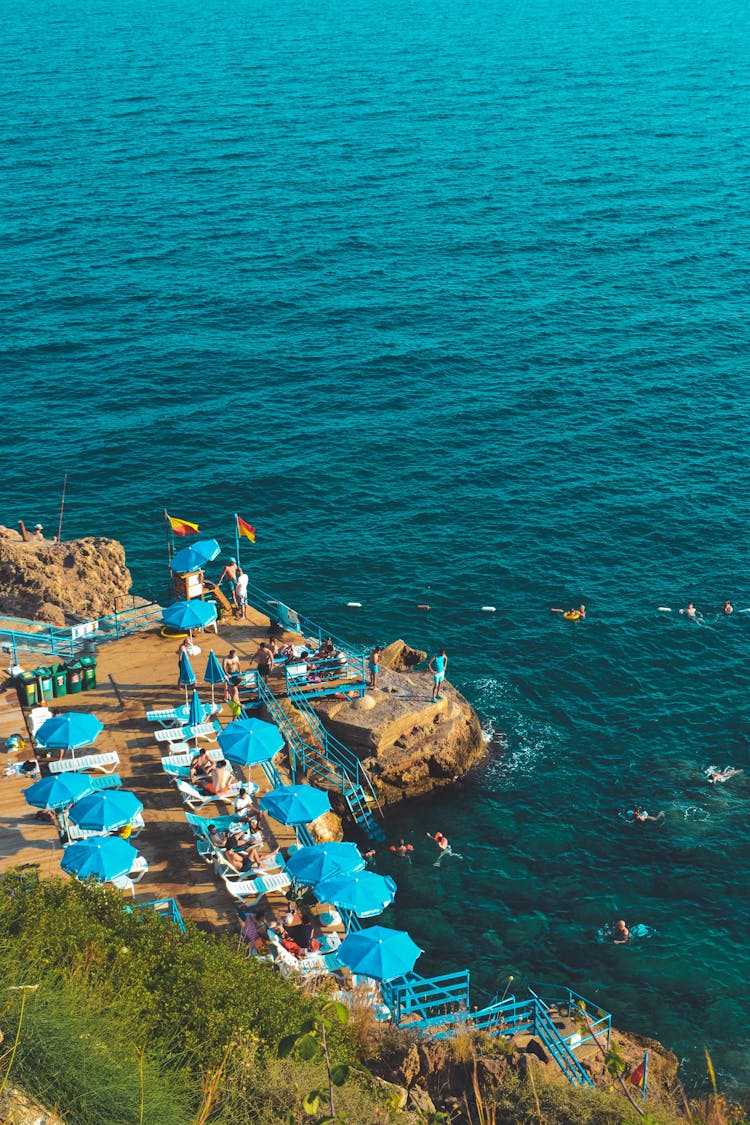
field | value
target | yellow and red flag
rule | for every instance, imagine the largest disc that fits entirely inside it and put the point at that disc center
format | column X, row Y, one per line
column 181, row 527
column 246, row 529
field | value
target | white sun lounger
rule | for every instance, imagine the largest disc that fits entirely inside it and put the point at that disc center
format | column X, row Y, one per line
column 76, row 833
column 194, row 799
column 107, row 763
column 250, row 891
column 182, row 734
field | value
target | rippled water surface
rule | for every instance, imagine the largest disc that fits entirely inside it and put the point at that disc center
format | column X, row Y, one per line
column 450, row 300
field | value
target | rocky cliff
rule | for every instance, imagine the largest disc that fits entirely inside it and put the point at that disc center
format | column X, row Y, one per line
column 61, row 583
column 408, row 744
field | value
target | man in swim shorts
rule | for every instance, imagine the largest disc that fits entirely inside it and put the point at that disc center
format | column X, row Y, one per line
column 438, row 666
column 374, row 666
column 231, row 573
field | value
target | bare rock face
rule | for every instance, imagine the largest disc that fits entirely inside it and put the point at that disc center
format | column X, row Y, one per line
column 326, row 828
column 61, row 583
column 408, row 744
column 399, row 657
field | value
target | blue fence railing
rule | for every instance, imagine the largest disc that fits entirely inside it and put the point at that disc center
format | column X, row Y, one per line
column 281, row 614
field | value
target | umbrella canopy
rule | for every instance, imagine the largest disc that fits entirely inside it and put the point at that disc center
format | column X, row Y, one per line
column 69, row 731
column 195, row 556
column 105, row 810
column 189, row 615
column 379, row 953
column 365, row 893
column 247, row 742
column 58, row 790
column 295, row 804
column 319, row 861
column 99, row 857
column 186, row 673
column 214, row 673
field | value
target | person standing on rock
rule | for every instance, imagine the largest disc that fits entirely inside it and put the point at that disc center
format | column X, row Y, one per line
column 438, row 666
column 374, row 666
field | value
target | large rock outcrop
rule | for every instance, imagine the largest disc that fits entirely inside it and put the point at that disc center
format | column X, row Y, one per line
column 408, row 744
column 61, row 583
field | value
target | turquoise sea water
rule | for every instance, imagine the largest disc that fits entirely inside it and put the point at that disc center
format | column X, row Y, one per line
column 450, row 301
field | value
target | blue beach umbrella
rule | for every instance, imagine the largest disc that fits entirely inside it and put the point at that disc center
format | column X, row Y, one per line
column 320, row 861
column 214, row 673
column 195, row 556
column 197, row 712
column 70, row 731
column 99, row 857
column 105, row 810
column 249, row 742
column 58, row 790
column 295, row 804
column 379, row 953
column 186, row 616
column 185, row 674
column 364, row 893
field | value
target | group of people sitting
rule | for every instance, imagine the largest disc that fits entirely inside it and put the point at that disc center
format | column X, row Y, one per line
column 295, row 932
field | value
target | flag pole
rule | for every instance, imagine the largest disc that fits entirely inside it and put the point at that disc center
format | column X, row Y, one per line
column 237, row 538
column 62, row 508
column 169, row 551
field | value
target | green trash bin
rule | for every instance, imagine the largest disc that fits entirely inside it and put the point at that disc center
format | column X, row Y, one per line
column 27, row 687
column 75, row 676
column 44, row 680
column 59, row 679
column 88, row 663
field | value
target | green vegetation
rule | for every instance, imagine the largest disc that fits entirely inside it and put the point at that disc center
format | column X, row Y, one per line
column 133, row 1021
column 117, row 1018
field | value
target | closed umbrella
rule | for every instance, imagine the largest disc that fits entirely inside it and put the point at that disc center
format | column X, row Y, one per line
column 99, row 857
column 105, row 810
column 197, row 712
column 185, row 675
column 195, row 556
column 58, row 790
column 364, row 893
column 319, row 861
column 72, row 730
column 295, row 804
column 214, row 673
column 249, row 742
column 186, row 616
column 379, row 953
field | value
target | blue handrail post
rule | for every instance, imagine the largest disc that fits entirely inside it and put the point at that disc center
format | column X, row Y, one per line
column 645, row 1075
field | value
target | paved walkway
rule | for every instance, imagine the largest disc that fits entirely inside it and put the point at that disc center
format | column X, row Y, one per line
column 144, row 669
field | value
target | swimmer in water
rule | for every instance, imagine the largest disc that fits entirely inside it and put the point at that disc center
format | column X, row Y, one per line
column 641, row 816
column 572, row 614
column 444, row 847
column 622, row 933
column 402, row 848
column 713, row 774
column 728, row 608
column 692, row 612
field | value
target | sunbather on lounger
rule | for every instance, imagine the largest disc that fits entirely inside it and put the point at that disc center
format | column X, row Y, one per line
column 201, row 768
column 243, row 861
column 221, row 782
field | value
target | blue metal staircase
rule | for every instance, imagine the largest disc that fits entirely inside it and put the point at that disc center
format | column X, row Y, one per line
column 326, row 759
column 439, row 1007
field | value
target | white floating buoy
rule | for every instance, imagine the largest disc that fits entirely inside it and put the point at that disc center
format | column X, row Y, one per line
column 488, row 609
column 422, row 606
column 665, row 609
column 355, row 605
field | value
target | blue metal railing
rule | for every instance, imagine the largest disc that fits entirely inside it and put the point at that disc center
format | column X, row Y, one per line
column 279, row 612
column 352, row 770
column 600, row 1022
column 165, row 907
column 433, row 999
column 127, row 621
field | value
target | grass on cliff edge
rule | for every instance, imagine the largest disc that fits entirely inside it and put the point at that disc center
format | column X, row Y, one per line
column 131, row 1018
